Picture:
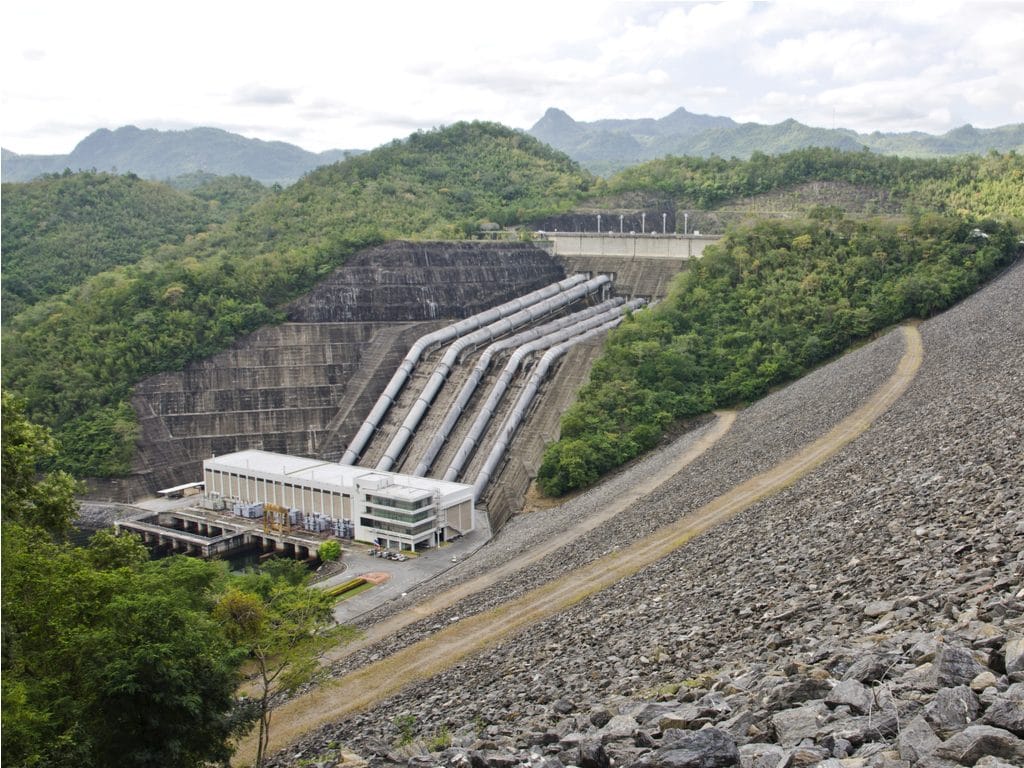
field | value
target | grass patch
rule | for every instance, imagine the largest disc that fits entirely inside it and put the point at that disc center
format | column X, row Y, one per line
column 348, row 588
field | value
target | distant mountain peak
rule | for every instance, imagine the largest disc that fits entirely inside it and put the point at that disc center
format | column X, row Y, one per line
column 158, row 154
column 609, row 145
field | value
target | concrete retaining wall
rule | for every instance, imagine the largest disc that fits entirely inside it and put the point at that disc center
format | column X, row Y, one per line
column 628, row 246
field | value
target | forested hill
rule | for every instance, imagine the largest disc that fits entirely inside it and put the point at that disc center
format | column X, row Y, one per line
column 606, row 146
column 75, row 357
column 161, row 155
column 61, row 229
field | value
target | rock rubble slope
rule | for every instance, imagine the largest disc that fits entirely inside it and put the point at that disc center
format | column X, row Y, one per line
column 870, row 615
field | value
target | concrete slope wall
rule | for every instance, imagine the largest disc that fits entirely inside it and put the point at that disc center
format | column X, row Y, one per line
column 426, row 281
column 300, row 387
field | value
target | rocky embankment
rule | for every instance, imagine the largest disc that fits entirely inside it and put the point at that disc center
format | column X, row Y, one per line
column 870, row 615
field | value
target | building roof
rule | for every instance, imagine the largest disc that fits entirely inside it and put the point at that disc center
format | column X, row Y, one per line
column 328, row 473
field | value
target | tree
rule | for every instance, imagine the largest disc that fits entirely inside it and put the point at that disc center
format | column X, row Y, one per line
column 283, row 628
column 46, row 501
column 330, row 550
column 110, row 659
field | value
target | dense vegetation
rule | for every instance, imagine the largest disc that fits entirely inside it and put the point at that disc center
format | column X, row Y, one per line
column 76, row 356
column 759, row 309
column 989, row 186
column 110, row 659
column 61, row 229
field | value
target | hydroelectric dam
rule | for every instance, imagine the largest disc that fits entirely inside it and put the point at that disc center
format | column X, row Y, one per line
column 322, row 384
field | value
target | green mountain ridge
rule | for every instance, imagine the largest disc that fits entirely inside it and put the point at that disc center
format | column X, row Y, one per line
column 75, row 356
column 607, row 146
column 160, row 155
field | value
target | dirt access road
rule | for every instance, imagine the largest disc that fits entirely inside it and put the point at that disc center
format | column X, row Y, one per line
column 422, row 660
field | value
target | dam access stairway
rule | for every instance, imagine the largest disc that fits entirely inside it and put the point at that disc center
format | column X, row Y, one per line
column 305, row 387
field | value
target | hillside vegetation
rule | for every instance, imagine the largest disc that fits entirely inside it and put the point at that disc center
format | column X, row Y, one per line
column 971, row 185
column 761, row 308
column 60, row 230
column 75, row 357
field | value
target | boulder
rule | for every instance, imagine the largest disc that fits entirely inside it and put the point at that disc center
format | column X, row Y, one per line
column 952, row 710
column 954, row 666
column 878, row 608
column 619, row 728
column 871, row 667
column 853, row 694
column 706, row 748
column 593, row 755
column 916, row 740
column 794, row 725
column 976, row 741
column 1007, row 714
column 1013, row 652
column 687, row 717
column 600, row 716
column 790, row 694
column 563, row 706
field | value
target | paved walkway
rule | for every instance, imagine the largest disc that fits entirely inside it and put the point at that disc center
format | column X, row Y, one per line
column 402, row 576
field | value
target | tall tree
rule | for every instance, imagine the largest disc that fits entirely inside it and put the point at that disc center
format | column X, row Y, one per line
column 112, row 660
column 283, row 625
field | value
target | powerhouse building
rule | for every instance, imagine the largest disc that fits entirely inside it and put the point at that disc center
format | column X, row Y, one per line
column 395, row 511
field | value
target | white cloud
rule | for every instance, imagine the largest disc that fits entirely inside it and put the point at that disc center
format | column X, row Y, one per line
column 359, row 74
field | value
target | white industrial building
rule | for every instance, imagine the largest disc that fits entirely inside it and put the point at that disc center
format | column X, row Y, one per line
column 395, row 511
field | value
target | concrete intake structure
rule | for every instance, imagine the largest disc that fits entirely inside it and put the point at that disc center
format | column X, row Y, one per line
column 476, row 375
column 522, row 406
column 437, row 338
column 472, row 440
column 473, row 340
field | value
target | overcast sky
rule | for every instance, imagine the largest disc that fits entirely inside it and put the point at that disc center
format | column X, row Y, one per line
column 356, row 74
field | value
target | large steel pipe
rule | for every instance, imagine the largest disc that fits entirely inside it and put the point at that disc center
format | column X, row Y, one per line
column 490, row 407
column 473, row 340
column 475, row 376
column 522, row 406
column 437, row 338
